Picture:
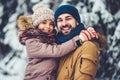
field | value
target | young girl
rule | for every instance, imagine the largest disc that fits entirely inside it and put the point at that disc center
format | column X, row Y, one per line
column 41, row 46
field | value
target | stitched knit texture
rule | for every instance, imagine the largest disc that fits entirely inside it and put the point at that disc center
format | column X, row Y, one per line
column 41, row 13
column 61, row 38
column 70, row 9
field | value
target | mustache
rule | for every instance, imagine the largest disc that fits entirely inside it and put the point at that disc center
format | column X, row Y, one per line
column 65, row 26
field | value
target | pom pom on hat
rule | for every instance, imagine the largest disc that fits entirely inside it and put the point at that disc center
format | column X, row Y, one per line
column 37, row 6
column 41, row 13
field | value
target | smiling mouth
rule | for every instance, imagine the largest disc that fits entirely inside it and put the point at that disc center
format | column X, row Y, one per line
column 46, row 30
column 66, row 28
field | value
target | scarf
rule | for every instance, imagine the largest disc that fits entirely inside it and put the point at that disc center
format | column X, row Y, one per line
column 61, row 38
column 36, row 33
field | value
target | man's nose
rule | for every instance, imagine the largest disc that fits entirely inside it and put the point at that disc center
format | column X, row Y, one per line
column 64, row 23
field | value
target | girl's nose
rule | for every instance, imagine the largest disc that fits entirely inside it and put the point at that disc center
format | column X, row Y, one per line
column 47, row 26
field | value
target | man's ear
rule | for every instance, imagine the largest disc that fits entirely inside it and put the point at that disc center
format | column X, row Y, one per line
column 77, row 23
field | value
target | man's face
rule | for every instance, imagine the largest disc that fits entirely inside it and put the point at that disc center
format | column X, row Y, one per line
column 66, row 23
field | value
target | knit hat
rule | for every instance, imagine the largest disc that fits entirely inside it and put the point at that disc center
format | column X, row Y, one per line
column 41, row 13
column 70, row 9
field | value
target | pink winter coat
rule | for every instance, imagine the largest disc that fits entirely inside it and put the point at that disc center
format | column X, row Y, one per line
column 43, row 57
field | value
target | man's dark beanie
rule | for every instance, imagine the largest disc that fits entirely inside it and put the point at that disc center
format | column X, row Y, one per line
column 70, row 9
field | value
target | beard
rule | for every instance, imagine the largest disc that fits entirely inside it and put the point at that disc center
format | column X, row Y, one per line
column 66, row 29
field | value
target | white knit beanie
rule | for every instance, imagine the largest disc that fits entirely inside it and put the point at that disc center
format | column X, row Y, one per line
column 41, row 13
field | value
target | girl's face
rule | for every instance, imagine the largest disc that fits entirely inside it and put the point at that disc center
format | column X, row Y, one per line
column 46, row 26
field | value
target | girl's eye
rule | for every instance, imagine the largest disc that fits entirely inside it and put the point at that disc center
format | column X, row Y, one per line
column 43, row 22
column 52, row 24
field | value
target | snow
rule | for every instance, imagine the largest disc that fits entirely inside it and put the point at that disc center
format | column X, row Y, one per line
column 12, row 66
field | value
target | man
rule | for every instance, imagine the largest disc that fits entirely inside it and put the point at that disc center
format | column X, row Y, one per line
column 82, row 64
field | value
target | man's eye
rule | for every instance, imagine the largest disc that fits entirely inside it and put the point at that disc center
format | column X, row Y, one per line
column 68, row 18
column 59, row 20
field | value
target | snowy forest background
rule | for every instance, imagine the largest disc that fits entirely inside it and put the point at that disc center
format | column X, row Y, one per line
column 104, row 15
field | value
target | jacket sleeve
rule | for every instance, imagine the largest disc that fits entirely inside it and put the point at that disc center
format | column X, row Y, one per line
column 37, row 49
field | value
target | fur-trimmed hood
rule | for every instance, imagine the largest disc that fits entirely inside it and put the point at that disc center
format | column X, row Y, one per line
column 24, row 22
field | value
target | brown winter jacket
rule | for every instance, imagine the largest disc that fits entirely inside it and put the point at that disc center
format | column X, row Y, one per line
column 82, row 63
column 42, row 58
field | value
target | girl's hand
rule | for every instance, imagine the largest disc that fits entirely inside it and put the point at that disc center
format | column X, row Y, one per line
column 88, row 34
column 92, row 31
